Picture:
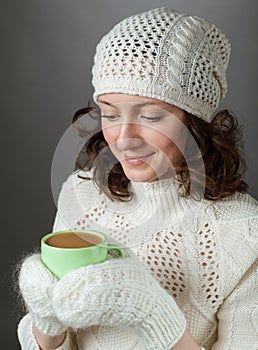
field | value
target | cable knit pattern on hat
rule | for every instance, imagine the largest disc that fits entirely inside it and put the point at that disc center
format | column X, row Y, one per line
column 166, row 55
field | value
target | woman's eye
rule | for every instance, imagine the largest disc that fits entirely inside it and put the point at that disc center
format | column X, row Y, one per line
column 151, row 119
column 110, row 117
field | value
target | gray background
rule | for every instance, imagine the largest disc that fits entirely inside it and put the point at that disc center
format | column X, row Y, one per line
column 47, row 49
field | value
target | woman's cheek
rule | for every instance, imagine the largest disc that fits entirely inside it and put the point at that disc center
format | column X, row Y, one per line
column 107, row 135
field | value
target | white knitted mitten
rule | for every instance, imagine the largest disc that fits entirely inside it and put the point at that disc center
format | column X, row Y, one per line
column 120, row 292
column 36, row 283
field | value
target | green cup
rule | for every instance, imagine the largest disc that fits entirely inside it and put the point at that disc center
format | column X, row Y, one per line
column 64, row 251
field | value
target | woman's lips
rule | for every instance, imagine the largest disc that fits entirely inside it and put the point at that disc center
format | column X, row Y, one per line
column 137, row 160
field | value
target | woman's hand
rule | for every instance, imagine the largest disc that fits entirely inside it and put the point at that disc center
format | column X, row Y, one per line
column 119, row 292
column 36, row 283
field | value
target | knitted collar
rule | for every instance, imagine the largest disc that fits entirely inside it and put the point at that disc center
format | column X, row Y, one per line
column 157, row 185
column 153, row 207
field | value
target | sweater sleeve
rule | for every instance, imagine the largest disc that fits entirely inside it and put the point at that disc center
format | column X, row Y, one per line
column 28, row 341
column 75, row 199
column 238, row 315
column 59, row 224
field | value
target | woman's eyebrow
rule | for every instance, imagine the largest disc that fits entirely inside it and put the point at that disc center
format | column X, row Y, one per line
column 136, row 105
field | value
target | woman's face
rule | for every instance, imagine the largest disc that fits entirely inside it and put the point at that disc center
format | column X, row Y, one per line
column 144, row 134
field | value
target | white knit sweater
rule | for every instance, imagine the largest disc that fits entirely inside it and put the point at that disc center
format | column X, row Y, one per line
column 204, row 253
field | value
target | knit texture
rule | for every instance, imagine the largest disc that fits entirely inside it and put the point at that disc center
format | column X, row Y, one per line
column 36, row 284
column 166, row 55
column 120, row 293
column 208, row 265
column 25, row 334
column 206, row 262
column 28, row 341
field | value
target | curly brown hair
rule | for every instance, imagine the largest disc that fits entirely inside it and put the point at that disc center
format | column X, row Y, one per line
column 219, row 143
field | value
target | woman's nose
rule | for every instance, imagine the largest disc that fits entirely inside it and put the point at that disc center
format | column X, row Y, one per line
column 129, row 136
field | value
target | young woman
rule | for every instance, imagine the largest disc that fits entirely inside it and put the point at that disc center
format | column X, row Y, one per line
column 164, row 178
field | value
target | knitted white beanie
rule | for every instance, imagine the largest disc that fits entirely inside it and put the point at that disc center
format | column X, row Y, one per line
column 162, row 54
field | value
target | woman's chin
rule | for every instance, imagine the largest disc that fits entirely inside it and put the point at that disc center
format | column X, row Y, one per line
column 140, row 174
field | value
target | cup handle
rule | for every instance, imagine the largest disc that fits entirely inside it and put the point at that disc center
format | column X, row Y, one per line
column 120, row 250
